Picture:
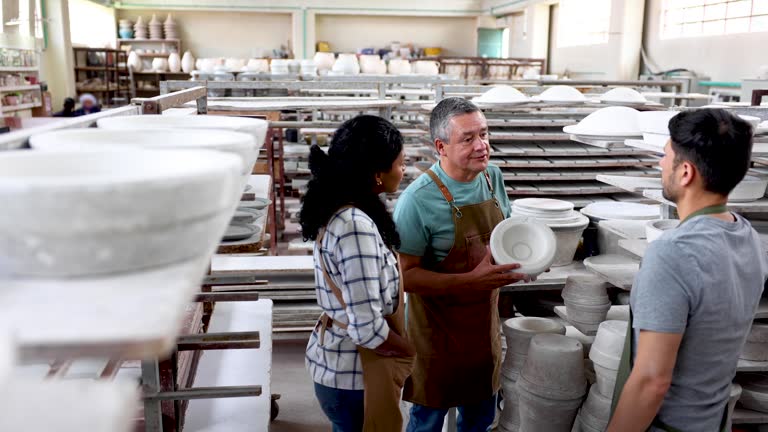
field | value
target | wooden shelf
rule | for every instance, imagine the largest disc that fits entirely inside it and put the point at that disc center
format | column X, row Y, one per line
column 106, row 68
column 20, row 107
column 18, row 69
column 148, row 40
column 160, row 73
column 20, row 88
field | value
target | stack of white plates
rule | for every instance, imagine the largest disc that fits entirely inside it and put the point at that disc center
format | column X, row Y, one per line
column 279, row 67
column 559, row 216
column 171, row 28
column 607, row 124
column 155, row 28
column 139, row 29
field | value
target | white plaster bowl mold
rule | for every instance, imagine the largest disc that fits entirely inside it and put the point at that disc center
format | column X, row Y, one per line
column 654, row 229
column 531, row 244
column 586, row 289
column 510, row 413
column 541, row 414
column 623, row 95
column 586, row 340
column 562, row 94
column 608, row 122
column 754, row 391
column 596, row 411
column 559, row 216
column 655, row 122
column 568, row 239
column 620, row 210
column 502, row 94
column 554, row 368
column 518, row 333
column 586, row 318
column 657, row 140
column 606, row 354
column 544, row 208
column 71, row 214
column 756, row 347
column 750, row 189
column 733, row 398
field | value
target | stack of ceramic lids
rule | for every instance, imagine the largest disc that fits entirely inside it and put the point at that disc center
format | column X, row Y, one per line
column 552, row 383
column 155, row 28
column 558, row 215
column 586, row 302
column 140, row 29
column 606, row 125
column 171, row 28
column 518, row 333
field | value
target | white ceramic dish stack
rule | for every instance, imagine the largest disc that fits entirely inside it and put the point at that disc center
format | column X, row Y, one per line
column 552, row 384
column 531, row 244
column 502, row 94
column 155, row 28
column 171, row 28
column 560, row 217
column 606, row 354
column 586, row 302
column 754, row 391
column 616, row 123
column 623, row 96
column 518, row 333
column 90, row 212
column 654, row 229
column 562, row 95
column 140, row 29
column 750, row 189
column 756, row 347
column 279, row 67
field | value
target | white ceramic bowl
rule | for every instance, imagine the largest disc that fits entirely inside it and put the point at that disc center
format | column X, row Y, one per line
column 656, row 140
column 544, row 208
column 608, row 122
column 609, row 343
column 520, row 330
column 502, row 94
column 749, row 189
column 568, row 237
column 562, row 94
column 69, row 214
column 623, row 95
column 654, row 229
column 533, row 245
column 621, row 210
column 655, row 122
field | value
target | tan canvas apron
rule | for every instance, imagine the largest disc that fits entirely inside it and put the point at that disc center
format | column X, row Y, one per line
column 383, row 376
column 457, row 337
column 625, row 364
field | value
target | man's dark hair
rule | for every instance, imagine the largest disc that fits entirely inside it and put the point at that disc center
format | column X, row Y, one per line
column 716, row 142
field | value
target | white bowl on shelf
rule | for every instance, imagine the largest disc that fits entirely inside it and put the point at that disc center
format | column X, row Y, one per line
column 608, row 122
column 533, row 245
column 748, row 190
column 608, row 210
column 752, row 120
column 562, row 94
column 91, row 212
column 655, row 228
column 656, row 140
column 502, row 94
column 655, row 122
column 623, row 95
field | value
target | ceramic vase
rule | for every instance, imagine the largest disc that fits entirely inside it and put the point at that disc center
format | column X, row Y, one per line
column 174, row 63
column 188, row 62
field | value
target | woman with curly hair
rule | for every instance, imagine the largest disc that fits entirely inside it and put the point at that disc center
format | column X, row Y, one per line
column 358, row 354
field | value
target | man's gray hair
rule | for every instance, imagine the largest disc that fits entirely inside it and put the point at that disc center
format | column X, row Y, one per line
column 440, row 120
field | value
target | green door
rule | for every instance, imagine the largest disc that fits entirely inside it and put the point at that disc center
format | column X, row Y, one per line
column 489, row 42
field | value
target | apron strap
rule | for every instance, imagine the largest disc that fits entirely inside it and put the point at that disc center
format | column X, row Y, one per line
column 443, row 188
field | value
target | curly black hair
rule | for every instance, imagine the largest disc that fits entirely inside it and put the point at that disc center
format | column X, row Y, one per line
column 360, row 148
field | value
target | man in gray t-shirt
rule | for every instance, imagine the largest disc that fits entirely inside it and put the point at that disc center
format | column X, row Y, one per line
column 699, row 285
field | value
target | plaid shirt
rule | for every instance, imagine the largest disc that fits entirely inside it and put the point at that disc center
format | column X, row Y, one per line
column 365, row 271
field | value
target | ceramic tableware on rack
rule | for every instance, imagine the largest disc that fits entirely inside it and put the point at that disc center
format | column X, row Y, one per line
column 611, row 263
column 623, row 96
column 159, row 64
column 654, row 229
column 155, row 28
column 257, row 65
column 531, row 244
column 135, row 62
column 518, row 333
column 174, row 63
column 187, row 62
column 611, row 122
column 279, row 67
column 324, row 61
column 586, row 302
column 126, row 209
column 596, row 411
column 346, row 64
column 502, row 94
column 756, row 347
column 171, row 28
column 234, row 64
column 399, row 67
column 308, row 67
column 125, row 29
column 562, row 95
column 140, row 29
column 750, row 189
column 240, row 232
column 560, row 217
column 754, row 391
column 606, row 354
column 607, row 210
column 426, row 67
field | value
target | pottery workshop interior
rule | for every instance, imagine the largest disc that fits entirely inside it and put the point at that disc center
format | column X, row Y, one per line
column 383, row 216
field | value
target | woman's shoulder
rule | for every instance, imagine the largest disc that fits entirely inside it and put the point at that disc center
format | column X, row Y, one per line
column 351, row 218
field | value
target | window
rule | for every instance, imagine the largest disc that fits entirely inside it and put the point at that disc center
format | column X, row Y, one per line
column 691, row 18
column 583, row 22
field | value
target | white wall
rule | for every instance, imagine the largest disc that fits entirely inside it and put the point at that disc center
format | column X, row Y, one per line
column 225, row 33
column 456, row 35
column 92, row 25
column 723, row 58
column 619, row 58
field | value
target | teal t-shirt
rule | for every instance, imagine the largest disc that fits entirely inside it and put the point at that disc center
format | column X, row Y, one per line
column 424, row 218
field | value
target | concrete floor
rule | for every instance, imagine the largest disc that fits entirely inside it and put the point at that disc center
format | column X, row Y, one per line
column 299, row 410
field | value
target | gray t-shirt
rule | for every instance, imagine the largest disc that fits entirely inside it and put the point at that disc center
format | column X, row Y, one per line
column 703, row 279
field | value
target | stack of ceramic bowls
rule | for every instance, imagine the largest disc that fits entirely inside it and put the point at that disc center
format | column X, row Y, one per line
column 754, row 391
column 155, row 28
column 518, row 333
column 606, row 354
column 586, row 302
column 126, row 29
column 279, row 67
column 552, row 384
column 171, row 28
column 308, row 67
column 126, row 211
column 558, row 215
column 756, row 348
column 595, row 413
column 140, row 29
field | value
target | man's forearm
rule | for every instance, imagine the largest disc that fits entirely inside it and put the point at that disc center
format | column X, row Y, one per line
column 639, row 403
column 426, row 283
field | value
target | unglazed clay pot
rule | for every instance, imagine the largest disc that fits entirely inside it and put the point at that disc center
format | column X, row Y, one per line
column 518, row 333
column 188, row 62
column 554, row 368
column 174, row 63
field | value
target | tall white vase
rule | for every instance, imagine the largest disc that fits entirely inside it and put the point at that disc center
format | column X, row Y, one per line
column 174, row 62
column 188, row 62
